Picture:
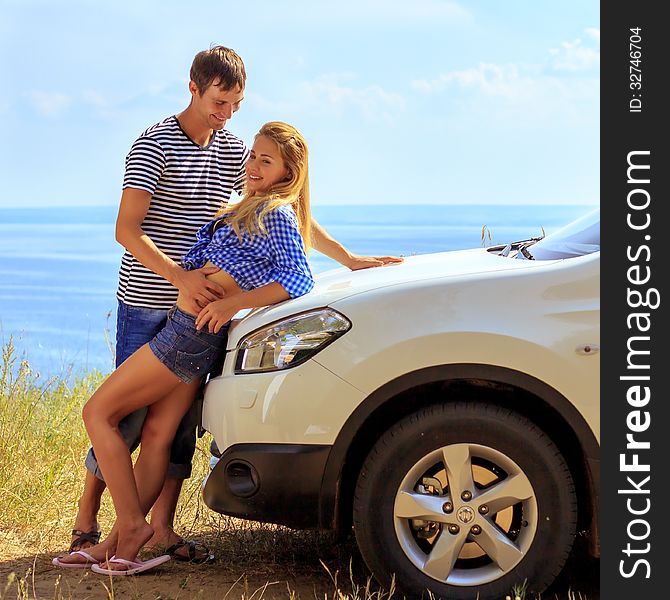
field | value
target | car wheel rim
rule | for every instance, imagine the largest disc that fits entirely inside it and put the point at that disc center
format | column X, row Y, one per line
column 465, row 514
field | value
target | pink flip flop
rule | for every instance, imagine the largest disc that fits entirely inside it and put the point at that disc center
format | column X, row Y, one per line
column 79, row 565
column 134, row 567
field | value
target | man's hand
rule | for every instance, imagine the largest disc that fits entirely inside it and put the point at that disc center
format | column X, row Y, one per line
column 217, row 313
column 365, row 262
column 196, row 289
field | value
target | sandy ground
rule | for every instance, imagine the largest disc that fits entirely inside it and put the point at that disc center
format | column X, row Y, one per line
column 171, row 581
column 292, row 570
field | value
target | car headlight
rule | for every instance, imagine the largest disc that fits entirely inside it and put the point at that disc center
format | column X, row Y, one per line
column 290, row 342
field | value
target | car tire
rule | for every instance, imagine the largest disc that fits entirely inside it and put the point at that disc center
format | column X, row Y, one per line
column 465, row 500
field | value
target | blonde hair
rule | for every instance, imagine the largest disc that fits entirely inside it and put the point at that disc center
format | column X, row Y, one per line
column 294, row 190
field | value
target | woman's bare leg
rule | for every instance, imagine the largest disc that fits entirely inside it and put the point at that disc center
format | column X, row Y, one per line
column 151, row 465
column 160, row 425
column 142, row 380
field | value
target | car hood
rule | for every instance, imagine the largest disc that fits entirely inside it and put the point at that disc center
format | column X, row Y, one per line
column 341, row 283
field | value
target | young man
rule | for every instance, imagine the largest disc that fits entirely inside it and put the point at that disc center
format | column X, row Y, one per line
column 178, row 173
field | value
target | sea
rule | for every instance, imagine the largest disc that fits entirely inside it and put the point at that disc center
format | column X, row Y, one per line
column 59, row 266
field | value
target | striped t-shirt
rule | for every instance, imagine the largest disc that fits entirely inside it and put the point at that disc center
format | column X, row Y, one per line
column 188, row 184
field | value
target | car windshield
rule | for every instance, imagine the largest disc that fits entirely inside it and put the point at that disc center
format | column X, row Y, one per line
column 578, row 238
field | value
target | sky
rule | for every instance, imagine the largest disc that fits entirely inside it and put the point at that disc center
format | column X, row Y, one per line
column 422, row 102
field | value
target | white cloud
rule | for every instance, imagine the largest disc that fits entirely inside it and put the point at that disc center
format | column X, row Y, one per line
column 333, row 94
column 594, row 33
column 101, row 103
column 562, row 86
column 115, row 103
column 514, row 80
column 95, row 98
column 371, row 100
column 508, row 91
column 489, row 79
column 49, row 104
column 576, row 55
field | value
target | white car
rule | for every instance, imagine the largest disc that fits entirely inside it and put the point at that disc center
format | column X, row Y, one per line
column 446, row 407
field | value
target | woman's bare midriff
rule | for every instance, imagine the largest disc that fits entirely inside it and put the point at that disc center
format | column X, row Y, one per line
column 228, row 284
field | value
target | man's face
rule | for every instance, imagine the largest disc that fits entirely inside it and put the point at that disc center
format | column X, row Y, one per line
column 216, row 105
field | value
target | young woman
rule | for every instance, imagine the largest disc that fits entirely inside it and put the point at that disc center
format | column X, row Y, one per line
column 260, row 245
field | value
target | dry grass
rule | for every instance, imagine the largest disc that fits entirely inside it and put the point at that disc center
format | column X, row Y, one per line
column 42, row 441
column 42, row 447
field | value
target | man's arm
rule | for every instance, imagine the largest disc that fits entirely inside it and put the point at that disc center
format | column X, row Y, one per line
column 196, row 288
column 327, row 245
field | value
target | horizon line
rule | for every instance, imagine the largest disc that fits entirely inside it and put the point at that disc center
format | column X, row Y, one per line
column 42, row 206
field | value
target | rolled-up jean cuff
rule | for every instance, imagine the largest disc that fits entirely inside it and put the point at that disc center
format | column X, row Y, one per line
column 92, row 465
column 174, row 471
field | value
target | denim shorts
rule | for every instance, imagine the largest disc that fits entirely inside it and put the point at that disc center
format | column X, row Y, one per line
column 187, row 352
column 136, row 326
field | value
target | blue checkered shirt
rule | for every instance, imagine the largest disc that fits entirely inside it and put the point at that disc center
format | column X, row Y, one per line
column 259, row 259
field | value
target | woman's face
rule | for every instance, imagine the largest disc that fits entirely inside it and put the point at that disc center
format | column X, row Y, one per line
column 265, row 166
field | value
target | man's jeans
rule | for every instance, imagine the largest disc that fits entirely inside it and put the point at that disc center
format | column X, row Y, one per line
column 135, row 326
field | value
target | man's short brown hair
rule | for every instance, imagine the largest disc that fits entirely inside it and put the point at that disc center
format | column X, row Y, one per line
column 219, row 64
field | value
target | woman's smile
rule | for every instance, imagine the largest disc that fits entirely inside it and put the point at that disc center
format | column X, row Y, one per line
column 265, row 166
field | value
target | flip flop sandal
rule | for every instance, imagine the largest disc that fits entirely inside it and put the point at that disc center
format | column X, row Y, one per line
column 193, row 549
column 134, row 567
column 92, row 537
column 80, row 565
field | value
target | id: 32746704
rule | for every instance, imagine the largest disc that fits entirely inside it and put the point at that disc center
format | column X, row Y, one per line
column 635, row 69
